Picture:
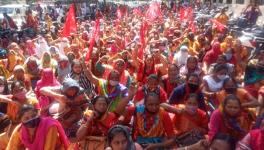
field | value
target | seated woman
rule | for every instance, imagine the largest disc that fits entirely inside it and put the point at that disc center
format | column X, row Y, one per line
column 77, row 74
column 214, row 82
column 119, row 65
column 152, row 85
column 253, row 140
column 19, row 75
column 96, row 124
column 151, row 124
column 192, row 85
column 19, row 96
column 191, row 118
column 47, row 79
column 227, row 119
column 37, row 132
column 191, row 67
column 119, row 138
column 172, row 79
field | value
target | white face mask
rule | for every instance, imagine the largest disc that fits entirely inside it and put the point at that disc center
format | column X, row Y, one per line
column 113, row 83
column 221, row 77
column 2, row 88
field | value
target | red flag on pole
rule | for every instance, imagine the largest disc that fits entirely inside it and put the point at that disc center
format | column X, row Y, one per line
column 70, row 23
column 95, row 36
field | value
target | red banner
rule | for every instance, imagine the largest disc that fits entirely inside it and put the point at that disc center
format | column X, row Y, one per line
column 70, row 23
column 95, row 36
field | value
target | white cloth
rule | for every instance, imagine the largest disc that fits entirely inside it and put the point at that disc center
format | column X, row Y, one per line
column 212, row 84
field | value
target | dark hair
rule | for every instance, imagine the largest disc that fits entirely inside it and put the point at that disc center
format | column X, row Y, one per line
column 231, row 97
column 193, row 95
column 17, row 83
column 227, row 138
column 6, row 89
column 174, row 65
column 112, row 132
column 193, row 75
column 151, row 94
column 153, row 76
column 75, row 62
column 222, row 56
column 26, row 108
column 219, row 67
column 229, row 79
column 4, row 122
column 96, row 98
column 192, row 58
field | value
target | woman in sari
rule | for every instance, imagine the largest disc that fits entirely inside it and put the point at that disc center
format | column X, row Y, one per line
column 191, row 67
column 47, row 61
column 254, row 140
column 191, row 118
column 211, row 56
column 145, row 69
column 48, row 79
column 96, row 124
column 37, row 132
column 19, row 96
column 228, row 119
column 19, row 75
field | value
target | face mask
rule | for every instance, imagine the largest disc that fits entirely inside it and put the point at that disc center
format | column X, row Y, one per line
column 191, row 109
column 2, row 88
column 113, row 83
column 193, row 87
column 221, row 77
column 32, row 123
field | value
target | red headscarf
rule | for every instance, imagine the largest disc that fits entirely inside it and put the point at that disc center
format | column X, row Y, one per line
column 212, row 55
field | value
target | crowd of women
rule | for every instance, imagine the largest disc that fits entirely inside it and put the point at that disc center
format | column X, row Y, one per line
column 195, row 89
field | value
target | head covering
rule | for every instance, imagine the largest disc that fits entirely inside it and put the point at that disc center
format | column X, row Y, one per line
column 181, row 57
column 70, row 83
column 41, row 47
column 212, row 55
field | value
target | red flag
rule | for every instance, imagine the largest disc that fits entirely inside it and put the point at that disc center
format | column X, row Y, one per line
column 218, row 25
column 70, row 23
column 153, row 12
column 95, row 36
column 143, row 30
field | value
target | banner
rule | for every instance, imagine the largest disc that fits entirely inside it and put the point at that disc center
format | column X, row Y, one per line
column 70, row 25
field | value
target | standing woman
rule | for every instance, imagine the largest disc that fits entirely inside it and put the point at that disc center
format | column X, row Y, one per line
column 37, row 133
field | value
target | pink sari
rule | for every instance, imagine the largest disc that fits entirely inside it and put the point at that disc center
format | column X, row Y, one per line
column 47, row 79
column 41, row 133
